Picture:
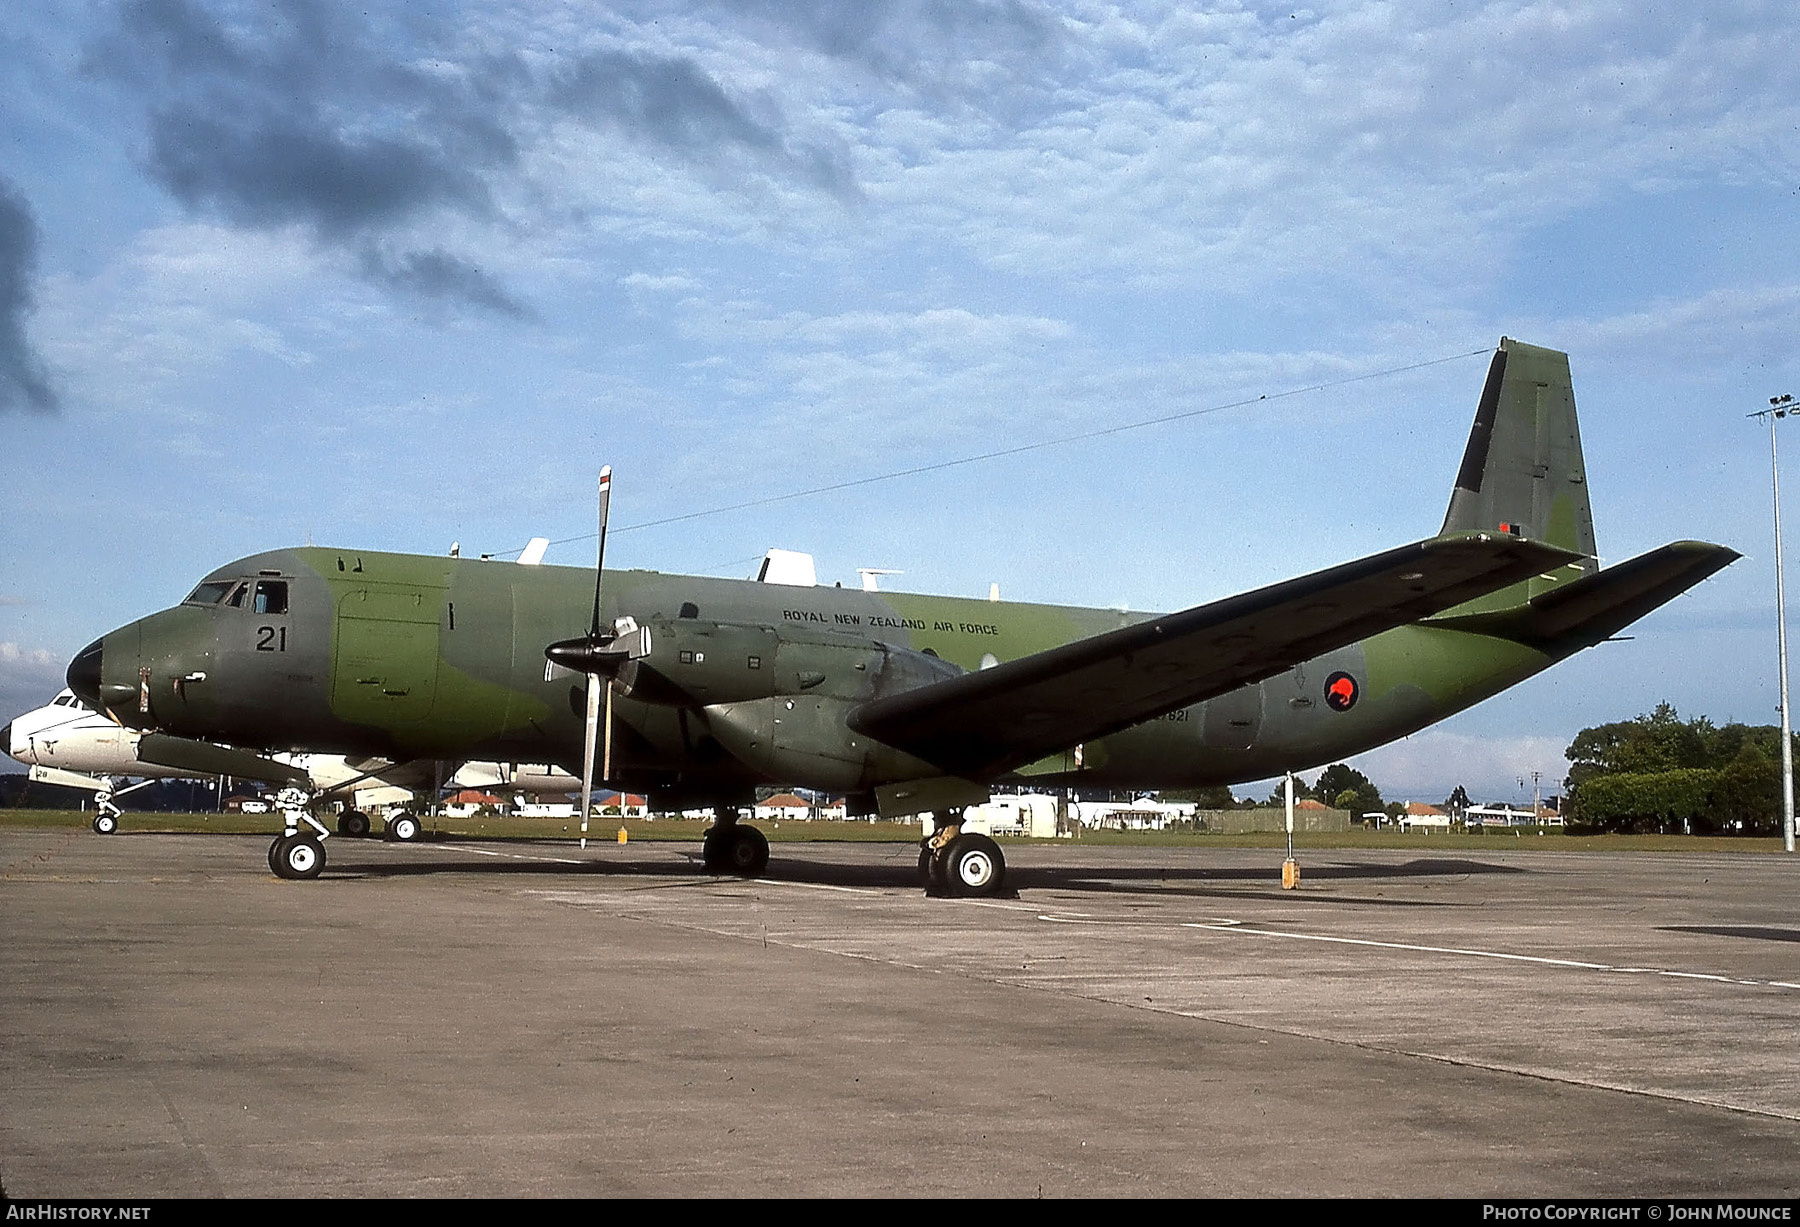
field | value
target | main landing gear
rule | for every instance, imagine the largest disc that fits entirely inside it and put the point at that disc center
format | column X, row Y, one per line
column 730, row 847
column 296, row 855
column 967, row 866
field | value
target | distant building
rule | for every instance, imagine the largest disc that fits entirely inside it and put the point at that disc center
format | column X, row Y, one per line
column 467, row 802
column 784, row 806
column 1420, row 816
column 1511, row 816
column 1144, row 814
column 628, row 804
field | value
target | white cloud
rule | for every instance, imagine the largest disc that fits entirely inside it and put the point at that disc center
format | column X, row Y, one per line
column 29, row 677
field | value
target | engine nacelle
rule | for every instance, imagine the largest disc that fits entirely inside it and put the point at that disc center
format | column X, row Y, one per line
column 689, row 663
column 801, row 735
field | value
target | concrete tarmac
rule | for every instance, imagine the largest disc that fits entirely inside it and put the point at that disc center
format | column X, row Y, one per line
column 501, row 1019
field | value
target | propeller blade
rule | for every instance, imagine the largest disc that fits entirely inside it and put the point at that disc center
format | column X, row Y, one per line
column 600, row 553
column 606, row 761
column 594, row 656
column 594, row 683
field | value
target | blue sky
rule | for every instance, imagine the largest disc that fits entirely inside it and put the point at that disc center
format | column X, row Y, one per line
column 280, row 272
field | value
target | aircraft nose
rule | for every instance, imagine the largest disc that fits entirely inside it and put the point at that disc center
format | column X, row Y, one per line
column 84, row 675
column 6, row 739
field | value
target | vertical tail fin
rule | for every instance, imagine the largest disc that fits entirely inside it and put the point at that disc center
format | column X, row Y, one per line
column 1522, row 472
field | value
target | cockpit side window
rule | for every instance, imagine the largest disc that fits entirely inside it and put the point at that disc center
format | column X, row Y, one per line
column 271, row 597
column 208, row 593
column 237, row 596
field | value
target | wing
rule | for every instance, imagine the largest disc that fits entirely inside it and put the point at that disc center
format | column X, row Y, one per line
column 980, row 725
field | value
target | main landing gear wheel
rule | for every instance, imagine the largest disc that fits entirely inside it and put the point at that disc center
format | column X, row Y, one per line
column 297, row 857
column 353, row 823
column 405, row 828
column 931, row 868
column 736, row 849
column 105, row 824
column 973, row 867
column 712, row 848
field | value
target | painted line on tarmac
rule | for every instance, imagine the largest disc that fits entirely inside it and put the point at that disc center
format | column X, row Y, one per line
column 848, row 890
column 511, row 856
column 1542, row 960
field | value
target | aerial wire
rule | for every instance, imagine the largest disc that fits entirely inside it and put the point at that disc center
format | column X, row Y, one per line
column 1020, row 449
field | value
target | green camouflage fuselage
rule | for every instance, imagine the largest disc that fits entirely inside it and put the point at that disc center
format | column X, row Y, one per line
column 408, row 656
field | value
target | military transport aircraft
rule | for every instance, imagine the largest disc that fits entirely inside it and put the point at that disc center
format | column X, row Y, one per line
column 912, row 704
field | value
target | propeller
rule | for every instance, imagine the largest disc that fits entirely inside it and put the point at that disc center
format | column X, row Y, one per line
column 598, row 656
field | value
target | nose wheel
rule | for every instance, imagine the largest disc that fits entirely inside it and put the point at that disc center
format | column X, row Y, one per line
column 296, row 857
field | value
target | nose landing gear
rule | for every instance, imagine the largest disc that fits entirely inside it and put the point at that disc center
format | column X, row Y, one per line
column 293, row 855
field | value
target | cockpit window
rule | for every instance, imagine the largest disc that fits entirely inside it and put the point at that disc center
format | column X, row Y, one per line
column 271, row 597
column 209, row 593
column 237, row 596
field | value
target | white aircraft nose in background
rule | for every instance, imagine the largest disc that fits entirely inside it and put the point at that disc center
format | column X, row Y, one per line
column 65, row 734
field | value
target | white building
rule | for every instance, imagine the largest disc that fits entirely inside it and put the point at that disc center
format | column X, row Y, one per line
column 1143, row 814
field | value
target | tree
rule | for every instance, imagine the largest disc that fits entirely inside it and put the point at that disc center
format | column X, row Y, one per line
column 1302, row 792
column 1747, row 795
column 1658, row 769
column 1345, row 787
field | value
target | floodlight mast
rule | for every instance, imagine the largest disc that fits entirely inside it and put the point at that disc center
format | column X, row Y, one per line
column 1780, row 407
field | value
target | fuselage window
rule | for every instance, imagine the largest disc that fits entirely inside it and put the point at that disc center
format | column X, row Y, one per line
column 271, row 597
column 208, row 594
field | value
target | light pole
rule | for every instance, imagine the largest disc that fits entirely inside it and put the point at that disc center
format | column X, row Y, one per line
column 1780, row 407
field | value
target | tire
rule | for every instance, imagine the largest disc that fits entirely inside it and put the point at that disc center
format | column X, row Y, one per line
column 931, row 869
column 299, row 857
column 275, row 854
column 713, row 850
column 748, row 853
column 353, row 823
column 105, row 824
column 974, row 868
column 404, row 828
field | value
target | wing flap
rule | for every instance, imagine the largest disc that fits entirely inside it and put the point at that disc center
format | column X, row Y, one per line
column 983, row 724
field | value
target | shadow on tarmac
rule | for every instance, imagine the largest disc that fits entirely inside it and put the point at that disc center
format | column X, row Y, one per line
column 899, row 871
column 1752, row 931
